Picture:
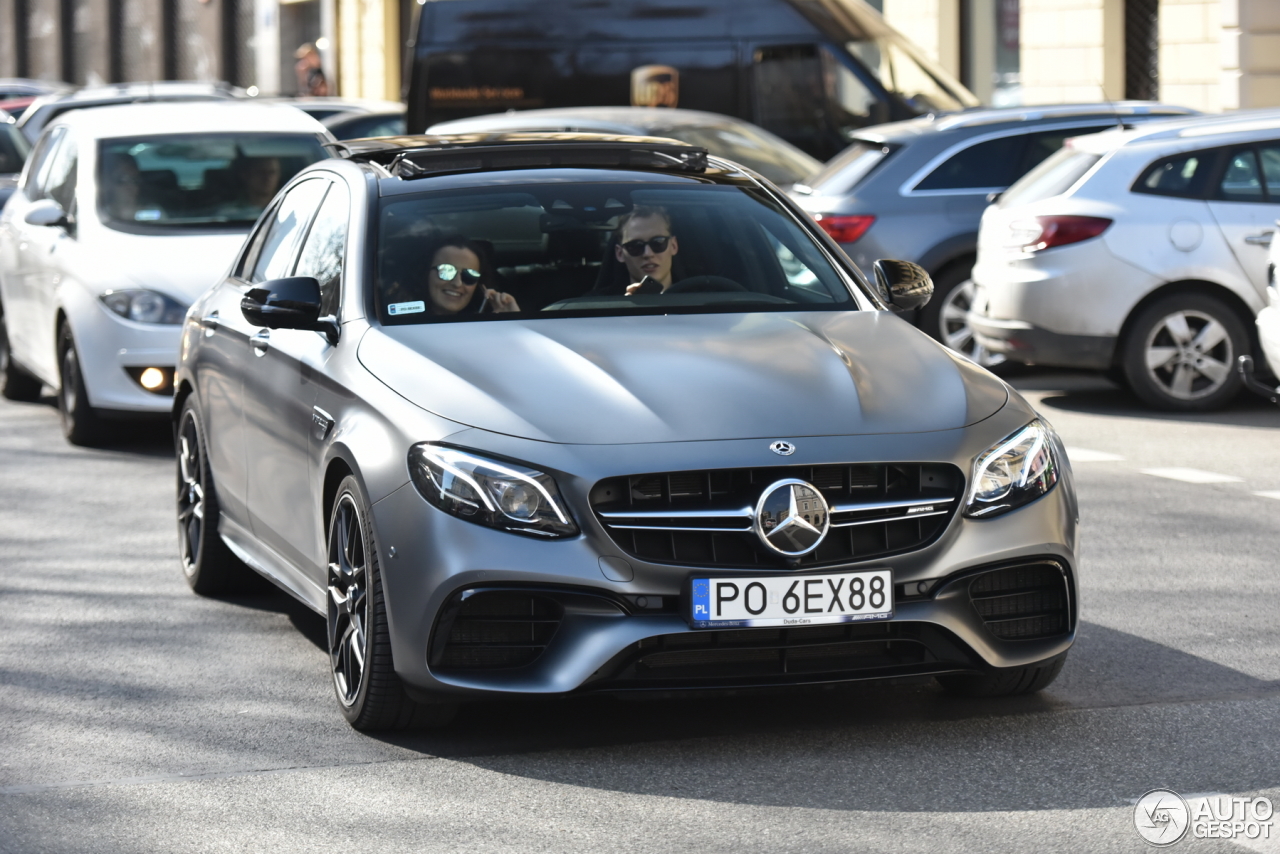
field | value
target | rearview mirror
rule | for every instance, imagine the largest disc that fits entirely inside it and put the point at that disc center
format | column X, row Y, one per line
column 903, row 285
column 292, row 303
column 46, row 212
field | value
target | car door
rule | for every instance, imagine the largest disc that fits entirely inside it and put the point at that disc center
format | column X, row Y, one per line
column 1246, row 204
column 221, row 358
column 50, row 248
column 278, row 397
column 26, row 248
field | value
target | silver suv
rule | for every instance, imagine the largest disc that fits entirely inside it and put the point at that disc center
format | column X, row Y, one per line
column 916, row 190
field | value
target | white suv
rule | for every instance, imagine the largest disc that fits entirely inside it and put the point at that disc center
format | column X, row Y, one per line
column 1140, row 252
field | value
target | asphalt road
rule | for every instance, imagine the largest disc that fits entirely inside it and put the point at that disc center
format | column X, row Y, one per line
column 138, row 717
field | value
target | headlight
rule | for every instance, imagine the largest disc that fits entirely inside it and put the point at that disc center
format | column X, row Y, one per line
column 500, row 495
column 143, row 306
column 1015, row 472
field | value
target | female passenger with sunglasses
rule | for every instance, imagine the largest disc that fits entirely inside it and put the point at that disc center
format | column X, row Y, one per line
column 456, row 280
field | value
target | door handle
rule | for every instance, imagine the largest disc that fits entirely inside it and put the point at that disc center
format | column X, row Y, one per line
column 210, row 322
column 1263, row 239
column 261, row 342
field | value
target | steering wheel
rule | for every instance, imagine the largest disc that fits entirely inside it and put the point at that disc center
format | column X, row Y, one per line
column 705, row 285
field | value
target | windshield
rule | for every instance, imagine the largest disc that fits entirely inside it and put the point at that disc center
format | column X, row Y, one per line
column 210, row 180
column 895, row 61
column 1053, row 177
column 778, row 160
column 614, row 249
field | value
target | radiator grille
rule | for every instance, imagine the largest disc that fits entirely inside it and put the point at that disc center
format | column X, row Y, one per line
column 491, row 629
column 703, row 518
column 1023, row 602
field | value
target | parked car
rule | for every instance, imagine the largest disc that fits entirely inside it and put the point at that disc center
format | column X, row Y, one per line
column 1268, row 325
column 773, row 157
column 17, row 93
column 123, row 216
column 1141, row 252
column 358, row 125
column 810, row 71
column 917, row 189
column 48, row 107
column 512, row 473
column 13, row 155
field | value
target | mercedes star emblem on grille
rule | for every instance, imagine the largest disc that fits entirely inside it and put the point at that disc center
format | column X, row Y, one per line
column 791, row 518
column 784, row 449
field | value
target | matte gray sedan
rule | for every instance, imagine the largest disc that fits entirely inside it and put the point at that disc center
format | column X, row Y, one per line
column 550, row 414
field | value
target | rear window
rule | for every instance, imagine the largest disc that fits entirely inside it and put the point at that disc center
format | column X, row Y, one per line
column 188, row 181
column 849, row 167
column 1051, row 178
column 553, row 250
column 1184, row 176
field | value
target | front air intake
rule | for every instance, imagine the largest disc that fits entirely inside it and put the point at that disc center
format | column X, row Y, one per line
column 1023, row 602
column 494, row 629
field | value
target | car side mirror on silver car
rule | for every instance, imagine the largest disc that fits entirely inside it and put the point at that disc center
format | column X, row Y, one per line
column 292, row 303
column 46, row 212
column 902, row 285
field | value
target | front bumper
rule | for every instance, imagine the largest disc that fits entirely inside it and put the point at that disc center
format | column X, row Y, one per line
column 1024, row 342
column 1269, row 332
column 109, row 345
column 608, row 631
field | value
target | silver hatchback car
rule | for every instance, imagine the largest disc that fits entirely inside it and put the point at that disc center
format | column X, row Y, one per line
column 551, row 414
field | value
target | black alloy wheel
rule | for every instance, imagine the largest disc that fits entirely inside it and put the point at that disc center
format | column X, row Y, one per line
column 369, row 692
column 80, row 423
column 208, row 564
column 15, row 383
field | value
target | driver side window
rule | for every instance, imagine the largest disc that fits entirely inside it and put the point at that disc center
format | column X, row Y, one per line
column 283, row 229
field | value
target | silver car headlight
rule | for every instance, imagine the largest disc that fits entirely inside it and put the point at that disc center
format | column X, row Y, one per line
column 1016, row 471
column 488, row 492
column 143, row 306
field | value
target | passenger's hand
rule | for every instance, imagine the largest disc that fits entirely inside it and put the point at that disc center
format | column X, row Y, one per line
column 498, row 301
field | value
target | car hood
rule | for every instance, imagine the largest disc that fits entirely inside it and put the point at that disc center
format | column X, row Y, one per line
column 181, row 265
column 684, row 378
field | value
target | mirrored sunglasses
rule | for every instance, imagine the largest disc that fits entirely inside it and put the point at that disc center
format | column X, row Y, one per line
column 448, row 272
column 657, row 244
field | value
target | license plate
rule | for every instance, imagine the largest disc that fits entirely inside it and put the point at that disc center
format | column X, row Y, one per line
column 791, row 600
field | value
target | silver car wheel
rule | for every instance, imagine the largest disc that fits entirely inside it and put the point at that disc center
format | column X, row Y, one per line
column 348, row 599
column 1189, row 355
column 954, row 329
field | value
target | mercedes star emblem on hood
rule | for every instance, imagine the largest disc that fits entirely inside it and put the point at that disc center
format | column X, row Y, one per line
column 791, row 518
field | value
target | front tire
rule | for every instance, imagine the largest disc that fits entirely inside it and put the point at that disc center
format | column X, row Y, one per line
column 208, row 564
column 370, row 694
column 1181, row 352
column 15, row 383
column 1005, row 682
column 80, row 422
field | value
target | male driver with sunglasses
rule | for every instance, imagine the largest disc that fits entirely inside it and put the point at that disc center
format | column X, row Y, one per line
column 646, row 246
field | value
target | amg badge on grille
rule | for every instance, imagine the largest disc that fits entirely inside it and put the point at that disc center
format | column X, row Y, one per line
column 791, row 518
column 784, row 449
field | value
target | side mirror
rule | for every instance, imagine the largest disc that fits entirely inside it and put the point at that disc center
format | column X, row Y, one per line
column 903, row 285
column 292, row 303
column 46, row 212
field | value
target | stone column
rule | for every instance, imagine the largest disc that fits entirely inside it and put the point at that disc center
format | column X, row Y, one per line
column 1190, row 67
column 1072, row 50
column 1250, row 75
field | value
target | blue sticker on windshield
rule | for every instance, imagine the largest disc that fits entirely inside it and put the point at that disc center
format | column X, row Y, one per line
column 147, row 215
column 406, row 308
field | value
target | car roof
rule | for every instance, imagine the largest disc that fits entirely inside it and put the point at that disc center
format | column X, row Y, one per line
column 1211, row 130
column 199, row 117
column 608, row 119
column 47, row 107
column 986, row 118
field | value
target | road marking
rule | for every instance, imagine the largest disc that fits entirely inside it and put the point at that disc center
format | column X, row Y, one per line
column 1271, row 494
column 1088, row 455
column 1193, row 475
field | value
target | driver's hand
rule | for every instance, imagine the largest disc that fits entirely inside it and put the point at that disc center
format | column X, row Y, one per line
column 498, row 301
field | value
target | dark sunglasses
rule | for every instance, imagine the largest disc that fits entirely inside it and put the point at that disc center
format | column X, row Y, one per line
column 657, row 244
column 448, row 272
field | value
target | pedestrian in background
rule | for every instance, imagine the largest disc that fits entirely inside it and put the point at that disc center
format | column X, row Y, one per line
column 311, row 79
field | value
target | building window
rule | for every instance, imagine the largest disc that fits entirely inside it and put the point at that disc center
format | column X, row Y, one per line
column 1141, row 50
